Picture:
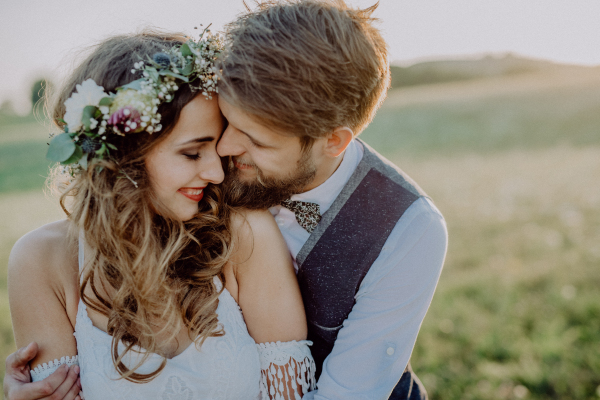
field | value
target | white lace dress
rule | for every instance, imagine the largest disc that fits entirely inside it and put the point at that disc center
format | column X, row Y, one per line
column 228, row 367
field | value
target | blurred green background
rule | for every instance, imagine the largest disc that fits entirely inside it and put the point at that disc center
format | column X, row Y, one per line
column 509, row 149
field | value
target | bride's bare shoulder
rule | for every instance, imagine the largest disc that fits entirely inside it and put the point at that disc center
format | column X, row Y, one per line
column 244, row 222
column 46, row 250
column 253, row 229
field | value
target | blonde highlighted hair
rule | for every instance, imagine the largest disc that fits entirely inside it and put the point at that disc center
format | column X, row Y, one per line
column 151, row 275
column 306, row 67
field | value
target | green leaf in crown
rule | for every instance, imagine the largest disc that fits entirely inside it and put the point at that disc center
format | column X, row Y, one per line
column 61, row 148
column 75, row 157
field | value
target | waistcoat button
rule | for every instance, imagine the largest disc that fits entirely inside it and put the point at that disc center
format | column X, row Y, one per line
column 390, row 351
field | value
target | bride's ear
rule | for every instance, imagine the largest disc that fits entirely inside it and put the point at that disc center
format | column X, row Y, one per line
column 338, row 140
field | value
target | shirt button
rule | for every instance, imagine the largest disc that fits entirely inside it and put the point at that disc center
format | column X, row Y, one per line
column 280, row 221
column 390, row 351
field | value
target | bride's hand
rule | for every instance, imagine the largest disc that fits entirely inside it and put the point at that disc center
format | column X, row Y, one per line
column 62, row 384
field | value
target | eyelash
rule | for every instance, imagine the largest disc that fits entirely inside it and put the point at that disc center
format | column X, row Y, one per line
column 254, row 144
column 193, row 157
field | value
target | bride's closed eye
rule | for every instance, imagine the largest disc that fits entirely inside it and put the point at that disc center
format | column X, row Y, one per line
column 193, row 157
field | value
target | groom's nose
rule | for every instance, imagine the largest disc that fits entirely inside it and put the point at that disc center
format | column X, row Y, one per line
column 231, row 143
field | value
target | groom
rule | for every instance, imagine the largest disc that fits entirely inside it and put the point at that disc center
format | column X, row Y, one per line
column 300, row 80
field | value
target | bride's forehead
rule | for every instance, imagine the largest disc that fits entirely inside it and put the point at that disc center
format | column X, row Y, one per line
column 200, row 118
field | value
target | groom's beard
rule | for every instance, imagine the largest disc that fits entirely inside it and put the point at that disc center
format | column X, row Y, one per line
column 264, row 192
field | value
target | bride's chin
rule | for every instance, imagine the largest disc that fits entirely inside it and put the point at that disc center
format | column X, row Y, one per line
column 186, row 215
column 182, row 214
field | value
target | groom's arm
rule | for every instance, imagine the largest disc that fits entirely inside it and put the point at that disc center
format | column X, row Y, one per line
column 62, row 384
column 375, row 343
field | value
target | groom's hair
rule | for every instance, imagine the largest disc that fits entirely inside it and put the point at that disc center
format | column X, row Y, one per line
column 306, row 67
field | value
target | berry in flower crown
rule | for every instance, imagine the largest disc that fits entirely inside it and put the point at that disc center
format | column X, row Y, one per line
column 93, row 116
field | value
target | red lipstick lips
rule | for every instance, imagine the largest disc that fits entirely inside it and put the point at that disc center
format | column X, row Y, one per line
column 194, row 194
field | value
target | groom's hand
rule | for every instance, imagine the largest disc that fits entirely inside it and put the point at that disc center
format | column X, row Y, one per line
column 62, row 384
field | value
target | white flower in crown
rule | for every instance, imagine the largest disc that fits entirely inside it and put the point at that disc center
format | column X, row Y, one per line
column 86, row 94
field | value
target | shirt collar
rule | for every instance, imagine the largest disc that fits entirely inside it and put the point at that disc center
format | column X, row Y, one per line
column 326, row 193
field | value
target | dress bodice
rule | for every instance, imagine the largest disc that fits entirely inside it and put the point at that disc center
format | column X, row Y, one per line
column 224, row 367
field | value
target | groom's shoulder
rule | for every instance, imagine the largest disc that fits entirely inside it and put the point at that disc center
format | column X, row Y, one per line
column 379, row 164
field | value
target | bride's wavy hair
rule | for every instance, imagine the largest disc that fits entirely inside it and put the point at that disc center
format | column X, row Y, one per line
column 151, row 274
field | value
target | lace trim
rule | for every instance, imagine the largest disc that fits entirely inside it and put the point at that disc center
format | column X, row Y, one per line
column 287, row 370
column 44, row 370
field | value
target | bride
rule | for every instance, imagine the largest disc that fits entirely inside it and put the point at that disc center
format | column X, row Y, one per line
column 154, row 286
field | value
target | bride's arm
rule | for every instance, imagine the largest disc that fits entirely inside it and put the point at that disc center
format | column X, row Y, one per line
column 42, row 285
column 268, row 294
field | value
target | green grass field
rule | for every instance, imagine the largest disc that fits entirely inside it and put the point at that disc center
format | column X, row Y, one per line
column 513, row 163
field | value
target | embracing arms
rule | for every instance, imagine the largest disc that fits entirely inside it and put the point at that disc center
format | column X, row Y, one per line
column 62, row 384
column 260, row 276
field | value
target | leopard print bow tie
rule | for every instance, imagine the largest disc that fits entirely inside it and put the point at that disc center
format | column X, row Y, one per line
column 307, row 214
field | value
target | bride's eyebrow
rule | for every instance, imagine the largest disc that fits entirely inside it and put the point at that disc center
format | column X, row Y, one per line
column 206, row 139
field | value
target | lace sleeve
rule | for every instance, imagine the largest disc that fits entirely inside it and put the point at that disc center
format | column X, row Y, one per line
column 44, row 370
column 288, row 370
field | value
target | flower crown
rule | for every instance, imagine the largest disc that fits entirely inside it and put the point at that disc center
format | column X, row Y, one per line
column 92, row 115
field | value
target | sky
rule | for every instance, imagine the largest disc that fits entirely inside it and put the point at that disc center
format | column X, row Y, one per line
column 42, row 38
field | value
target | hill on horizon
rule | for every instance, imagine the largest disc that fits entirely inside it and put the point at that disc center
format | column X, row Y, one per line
column 487, row 66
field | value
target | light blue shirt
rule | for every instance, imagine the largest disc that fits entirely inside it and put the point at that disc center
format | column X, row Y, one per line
column 376, row 340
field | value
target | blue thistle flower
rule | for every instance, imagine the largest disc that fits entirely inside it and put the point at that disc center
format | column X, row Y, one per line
column 162, row 59
column 89, row 145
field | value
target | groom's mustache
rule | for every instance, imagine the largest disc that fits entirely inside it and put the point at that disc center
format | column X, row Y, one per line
column 234, row 161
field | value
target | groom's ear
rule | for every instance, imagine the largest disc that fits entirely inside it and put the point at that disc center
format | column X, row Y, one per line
column 338, row 140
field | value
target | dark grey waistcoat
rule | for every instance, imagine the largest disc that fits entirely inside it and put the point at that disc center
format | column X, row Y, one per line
column 342, row 248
